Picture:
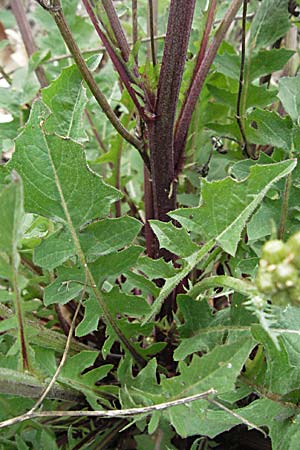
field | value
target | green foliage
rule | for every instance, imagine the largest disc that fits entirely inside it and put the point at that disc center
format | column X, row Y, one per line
column 226, row 205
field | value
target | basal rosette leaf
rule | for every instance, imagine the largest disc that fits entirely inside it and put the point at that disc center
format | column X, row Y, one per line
column 72, row 375
column 203, row 330
column 218, row 369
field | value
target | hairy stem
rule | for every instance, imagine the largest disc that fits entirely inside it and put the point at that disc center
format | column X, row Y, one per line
column 188, row 107
column 161, row 128
column 202, row 51
column 151, row 242
column 134, row 9
column 117, row 28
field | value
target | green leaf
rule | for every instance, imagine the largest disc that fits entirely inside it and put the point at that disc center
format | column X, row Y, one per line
column 218, row 369
column 202, row 330
column 268, row 128
column 262, row 412
column 54, row 250
column 266, row 62
column 155, row 268
column 256, row 96
column 228, row 64
column 227, row 205
column 66, row 98
column 117, row 302
column 64, row 288
column 108, row 235
column 71, row 375
column 57, row 182
column 277, row 363
column 115, row 264
column 288, row 322
column 174, row 239
column 8, row 130
column 270, row 23
column 100, row 238
column 289, row 94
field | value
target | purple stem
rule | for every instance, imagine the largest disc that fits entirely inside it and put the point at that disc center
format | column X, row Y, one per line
column 188, row 107
column 120, row 68
column 117, row 28
column 161, row 128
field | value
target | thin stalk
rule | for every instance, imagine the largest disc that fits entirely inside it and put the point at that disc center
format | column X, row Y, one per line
column 204, row 41
column 126, row 77
column 285, row 206
column 60, row 21
column 117, row 28
column 5, row 75
column 95, row 131
column 113, row 414
column 25, row 30
column 134, row 9
column 102, row 49
column 152, row 32
column 239, row 115
column 20, row 318
column 185, row 116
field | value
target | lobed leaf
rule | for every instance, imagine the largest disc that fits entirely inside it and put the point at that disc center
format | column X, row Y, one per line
column 227, row 205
